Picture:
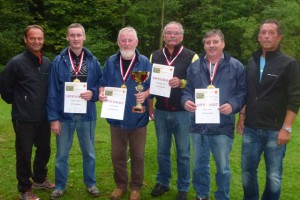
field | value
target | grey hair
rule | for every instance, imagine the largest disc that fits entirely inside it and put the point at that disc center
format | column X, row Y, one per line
column 176, row 23
column 128, row 29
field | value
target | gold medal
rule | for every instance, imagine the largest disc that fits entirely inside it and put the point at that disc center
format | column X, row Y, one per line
column 76, row 80
column 211, row 86
column 123, row 86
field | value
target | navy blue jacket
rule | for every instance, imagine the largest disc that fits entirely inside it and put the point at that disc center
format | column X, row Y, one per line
column 60, row 73
column 230, row 78
column 112, row 78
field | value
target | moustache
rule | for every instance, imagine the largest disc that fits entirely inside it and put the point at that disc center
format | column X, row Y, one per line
column 172, row 39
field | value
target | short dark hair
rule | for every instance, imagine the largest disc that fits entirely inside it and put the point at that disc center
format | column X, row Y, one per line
column 213, row 32
column 76, row 25
column 272, row 21
column 31, row 27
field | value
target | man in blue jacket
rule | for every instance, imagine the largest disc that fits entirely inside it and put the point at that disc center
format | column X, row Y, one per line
column 132, row 129
column 74, row 64
column 214, row 69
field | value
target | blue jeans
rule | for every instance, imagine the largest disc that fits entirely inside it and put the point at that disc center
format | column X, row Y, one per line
column 220, row 146
column 256, row 142
column 168, row 124
column 85, row 133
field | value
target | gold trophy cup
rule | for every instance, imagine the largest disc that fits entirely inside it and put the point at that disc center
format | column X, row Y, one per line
column 139, row 77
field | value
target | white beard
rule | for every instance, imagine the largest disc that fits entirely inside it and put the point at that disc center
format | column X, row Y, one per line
column 127, row 54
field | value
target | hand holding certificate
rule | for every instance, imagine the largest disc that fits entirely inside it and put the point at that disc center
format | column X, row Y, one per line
column 207, row 101
column 161, row 74
column 73, row 103
column 114, row 107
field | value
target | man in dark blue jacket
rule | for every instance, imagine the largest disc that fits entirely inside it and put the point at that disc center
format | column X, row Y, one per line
column 132, row 129
column 74, row 64
column 24, row 85
column 214, row 69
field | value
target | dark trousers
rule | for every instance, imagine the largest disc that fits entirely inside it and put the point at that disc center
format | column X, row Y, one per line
column 29, row 134
column 136, row 138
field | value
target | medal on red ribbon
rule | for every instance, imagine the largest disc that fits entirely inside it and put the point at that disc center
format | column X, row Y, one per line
column 128, row 70
column 172, row 61
column 212, row 74
column 76, row 70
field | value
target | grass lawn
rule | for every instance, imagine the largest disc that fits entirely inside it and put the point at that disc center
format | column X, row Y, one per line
column 104, row 173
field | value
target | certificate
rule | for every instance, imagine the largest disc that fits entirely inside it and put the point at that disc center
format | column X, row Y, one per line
column 207, row 101
column 159, row 85
column 73, row 102
column 114, row 107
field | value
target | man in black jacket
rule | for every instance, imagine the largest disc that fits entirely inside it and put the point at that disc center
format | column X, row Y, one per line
column 272, row 105
column 24, row 85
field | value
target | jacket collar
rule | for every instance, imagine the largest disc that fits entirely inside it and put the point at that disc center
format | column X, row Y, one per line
column 32, row 57
column 86, row 52
column 176, row 50
column 226, row 58
column 269, row 54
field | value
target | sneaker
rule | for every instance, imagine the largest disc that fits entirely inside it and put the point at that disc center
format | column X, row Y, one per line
column 28, row 196
column 93, row 190
column 181, row 195
column 56, row 194
column 135, row 195
column 200, row 198
column 159, row 190
column 117, row 194
column 44, row 185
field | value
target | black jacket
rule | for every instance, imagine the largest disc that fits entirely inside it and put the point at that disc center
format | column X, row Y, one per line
column 181, row 64
column 24, row 84
column 278, row 91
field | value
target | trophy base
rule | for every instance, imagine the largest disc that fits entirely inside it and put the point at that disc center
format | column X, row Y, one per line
column 138, row 109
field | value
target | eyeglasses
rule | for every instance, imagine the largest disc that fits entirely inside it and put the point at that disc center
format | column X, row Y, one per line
column 173, row 33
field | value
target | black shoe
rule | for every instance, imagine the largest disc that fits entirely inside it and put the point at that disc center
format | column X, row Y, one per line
column 159, row 190
column 199, row 198
column 182, row 195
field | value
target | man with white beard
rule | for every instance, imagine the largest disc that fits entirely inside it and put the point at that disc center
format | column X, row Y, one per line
column 132, row 129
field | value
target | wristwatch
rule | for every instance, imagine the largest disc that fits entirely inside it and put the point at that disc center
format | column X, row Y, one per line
column 287, row 129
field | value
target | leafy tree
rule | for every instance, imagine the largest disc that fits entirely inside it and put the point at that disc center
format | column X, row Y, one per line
column 14, row 17
column 238, row 19
column 289, row 14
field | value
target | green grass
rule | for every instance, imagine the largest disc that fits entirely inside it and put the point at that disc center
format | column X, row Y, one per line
column 104, row 172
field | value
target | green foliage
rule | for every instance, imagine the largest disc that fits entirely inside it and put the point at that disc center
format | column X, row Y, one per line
column 13, row 20
column 289, row 15
column 98, row 43
column 238, row 19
